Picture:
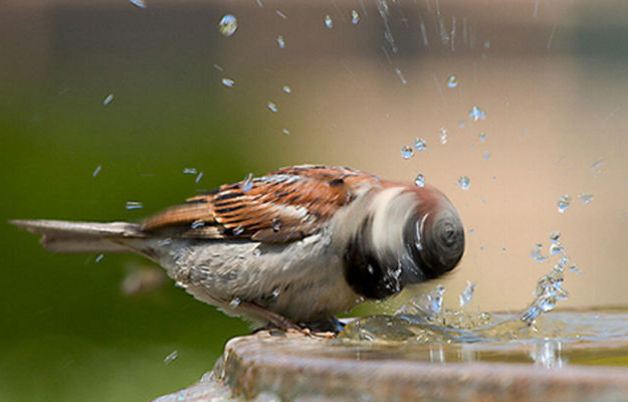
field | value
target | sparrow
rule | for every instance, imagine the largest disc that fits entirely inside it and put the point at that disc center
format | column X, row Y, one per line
column 290, row 249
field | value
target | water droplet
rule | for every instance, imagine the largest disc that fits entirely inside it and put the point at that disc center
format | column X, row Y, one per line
column 555, row 248
column 197, row 224
column 482, row 137
column 585, row 198
column 99, row 258
column 235, row 302
column 281, row 14
column 329, row 23
column 597, row 166
column 452, row 81
column 96, row 171
column 218, row 67
column 247, row 183
column 276, row 293
column 199, row 176
column 107, row 100
column 130, row 205
column 355, row 17
column 486, row 155
column 171, row 357
column 287, row 89
column 487, row 44
column 432, row 302
column 190, row 171
column 407, row 152
column 537, row 253
column 276, row 224
column 281, row 42
column 477, row 114
column 228, row 82
column 574, row 269
column 286, row 131
column 563, row 203
column 420, row 144
column 400, row 76
column 467, row 294
column 555, row 236
column 464, row 182
column 238, row 230
column 138, row 3
column 419, row 180
column 443, row 136
column 228, row 25
column 272, row 107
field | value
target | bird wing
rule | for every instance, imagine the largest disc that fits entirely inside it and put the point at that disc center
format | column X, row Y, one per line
column 283, row 206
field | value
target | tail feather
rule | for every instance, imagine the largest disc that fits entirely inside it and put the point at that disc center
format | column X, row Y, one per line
column 79, row 237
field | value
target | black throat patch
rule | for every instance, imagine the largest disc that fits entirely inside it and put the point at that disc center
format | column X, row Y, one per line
column 364, row 272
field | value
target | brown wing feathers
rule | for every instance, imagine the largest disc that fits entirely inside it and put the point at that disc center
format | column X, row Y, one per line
column 282, row 206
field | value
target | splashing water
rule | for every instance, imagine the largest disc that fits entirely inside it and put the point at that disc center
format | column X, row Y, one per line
column 138, row 3
column 228, row 82
column 272, row 107
column 191, row 171
column 286, row 89
column 281, row 42
column 452, row 81
column 585, row 198
column 247, row 183
column 407, row 152
column 419, row 181
column 537, row 253
column 96, row 171
column 329, row 23
column 420, row 144
column 228, row 25
column 355, row 17
column 563, row 203
column 477, row 114
column 171, row 357
column 131, row 205
column 467, row 294
column 464, row 182
column 107, row 100
column 443, row 136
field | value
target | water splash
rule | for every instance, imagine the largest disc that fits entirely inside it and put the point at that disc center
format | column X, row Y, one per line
column 452, row 81
column 420, row 144
column 419, row 181
column 443, row 135
column 407, row 152
column 477, row 114
column 329, row 23
column 563, row 203
column 272, row 107
column 228, row 25
column 131, row 205
column 171, row 357
column 138, row 3
column 281, row 42
column 108, row 99
column 464, row 182
column 355, row 17
column 228, row 82
column 247, row 183
column 286, row 89
column 96, row 171
column 585, row 198
column 467, row 294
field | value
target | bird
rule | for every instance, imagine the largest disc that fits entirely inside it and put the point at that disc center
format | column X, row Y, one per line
column 290, row 249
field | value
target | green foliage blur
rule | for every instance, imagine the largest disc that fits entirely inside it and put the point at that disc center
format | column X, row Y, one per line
column 68, row 331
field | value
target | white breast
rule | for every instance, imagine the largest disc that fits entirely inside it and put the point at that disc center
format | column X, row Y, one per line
column 302, row 280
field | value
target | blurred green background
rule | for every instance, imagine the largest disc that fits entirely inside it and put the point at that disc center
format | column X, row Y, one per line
column 551, row 76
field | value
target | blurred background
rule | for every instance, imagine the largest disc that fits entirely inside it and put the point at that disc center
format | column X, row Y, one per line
column 109, row 101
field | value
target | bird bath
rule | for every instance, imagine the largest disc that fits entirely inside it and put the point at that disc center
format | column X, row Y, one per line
column 563, row 356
